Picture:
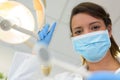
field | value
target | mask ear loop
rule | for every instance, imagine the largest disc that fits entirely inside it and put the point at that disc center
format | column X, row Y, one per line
column 108, row 23
column 109, row 30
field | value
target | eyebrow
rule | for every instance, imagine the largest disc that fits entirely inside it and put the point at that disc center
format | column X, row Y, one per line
column 77, row 28
column 94, row 22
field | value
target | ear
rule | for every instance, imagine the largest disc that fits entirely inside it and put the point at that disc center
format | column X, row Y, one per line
column 109, row 28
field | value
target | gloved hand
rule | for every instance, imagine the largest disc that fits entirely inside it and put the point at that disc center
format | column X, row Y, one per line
column 45, row 34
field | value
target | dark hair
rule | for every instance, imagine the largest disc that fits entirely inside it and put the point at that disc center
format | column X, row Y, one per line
column 98, row 12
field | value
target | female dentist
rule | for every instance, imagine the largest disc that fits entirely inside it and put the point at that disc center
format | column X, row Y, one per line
column 92, row 39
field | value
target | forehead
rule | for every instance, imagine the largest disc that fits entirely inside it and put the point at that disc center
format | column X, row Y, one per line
column 83, row 19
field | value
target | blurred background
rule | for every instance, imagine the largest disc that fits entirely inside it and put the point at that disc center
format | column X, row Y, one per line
column 61, row 46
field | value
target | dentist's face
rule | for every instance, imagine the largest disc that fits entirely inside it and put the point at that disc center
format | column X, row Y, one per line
column 83, row 23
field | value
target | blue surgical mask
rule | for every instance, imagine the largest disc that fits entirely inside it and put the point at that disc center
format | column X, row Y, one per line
column 92, row 46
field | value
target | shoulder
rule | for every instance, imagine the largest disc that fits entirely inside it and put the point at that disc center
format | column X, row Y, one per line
column 68, row 76
column 77, row 75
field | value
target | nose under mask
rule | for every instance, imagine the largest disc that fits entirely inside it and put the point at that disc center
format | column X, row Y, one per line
column 92, row 46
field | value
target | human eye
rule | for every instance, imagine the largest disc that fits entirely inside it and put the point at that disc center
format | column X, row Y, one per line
column 95, row 28
column 78, row 32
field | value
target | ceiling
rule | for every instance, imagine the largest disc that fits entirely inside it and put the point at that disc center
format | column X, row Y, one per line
column 59, row 11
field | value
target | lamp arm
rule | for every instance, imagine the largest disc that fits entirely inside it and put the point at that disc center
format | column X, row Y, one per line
column 24, row 31
column 44, row 2
column 38, row 6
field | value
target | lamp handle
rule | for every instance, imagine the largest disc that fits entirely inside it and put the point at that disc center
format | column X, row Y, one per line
column 24, row 31
column 6, row 25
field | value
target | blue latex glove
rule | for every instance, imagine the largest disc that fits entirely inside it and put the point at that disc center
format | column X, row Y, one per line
column 45, row 34
column 104, row 75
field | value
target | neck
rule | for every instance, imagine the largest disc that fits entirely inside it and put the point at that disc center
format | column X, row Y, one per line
column 107, row 63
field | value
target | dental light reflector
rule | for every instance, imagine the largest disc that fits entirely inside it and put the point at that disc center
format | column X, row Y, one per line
column 15, row 21
column 3, row 0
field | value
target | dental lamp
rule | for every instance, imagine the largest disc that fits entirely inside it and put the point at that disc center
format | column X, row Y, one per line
column 15, row 20
column 17, row 26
